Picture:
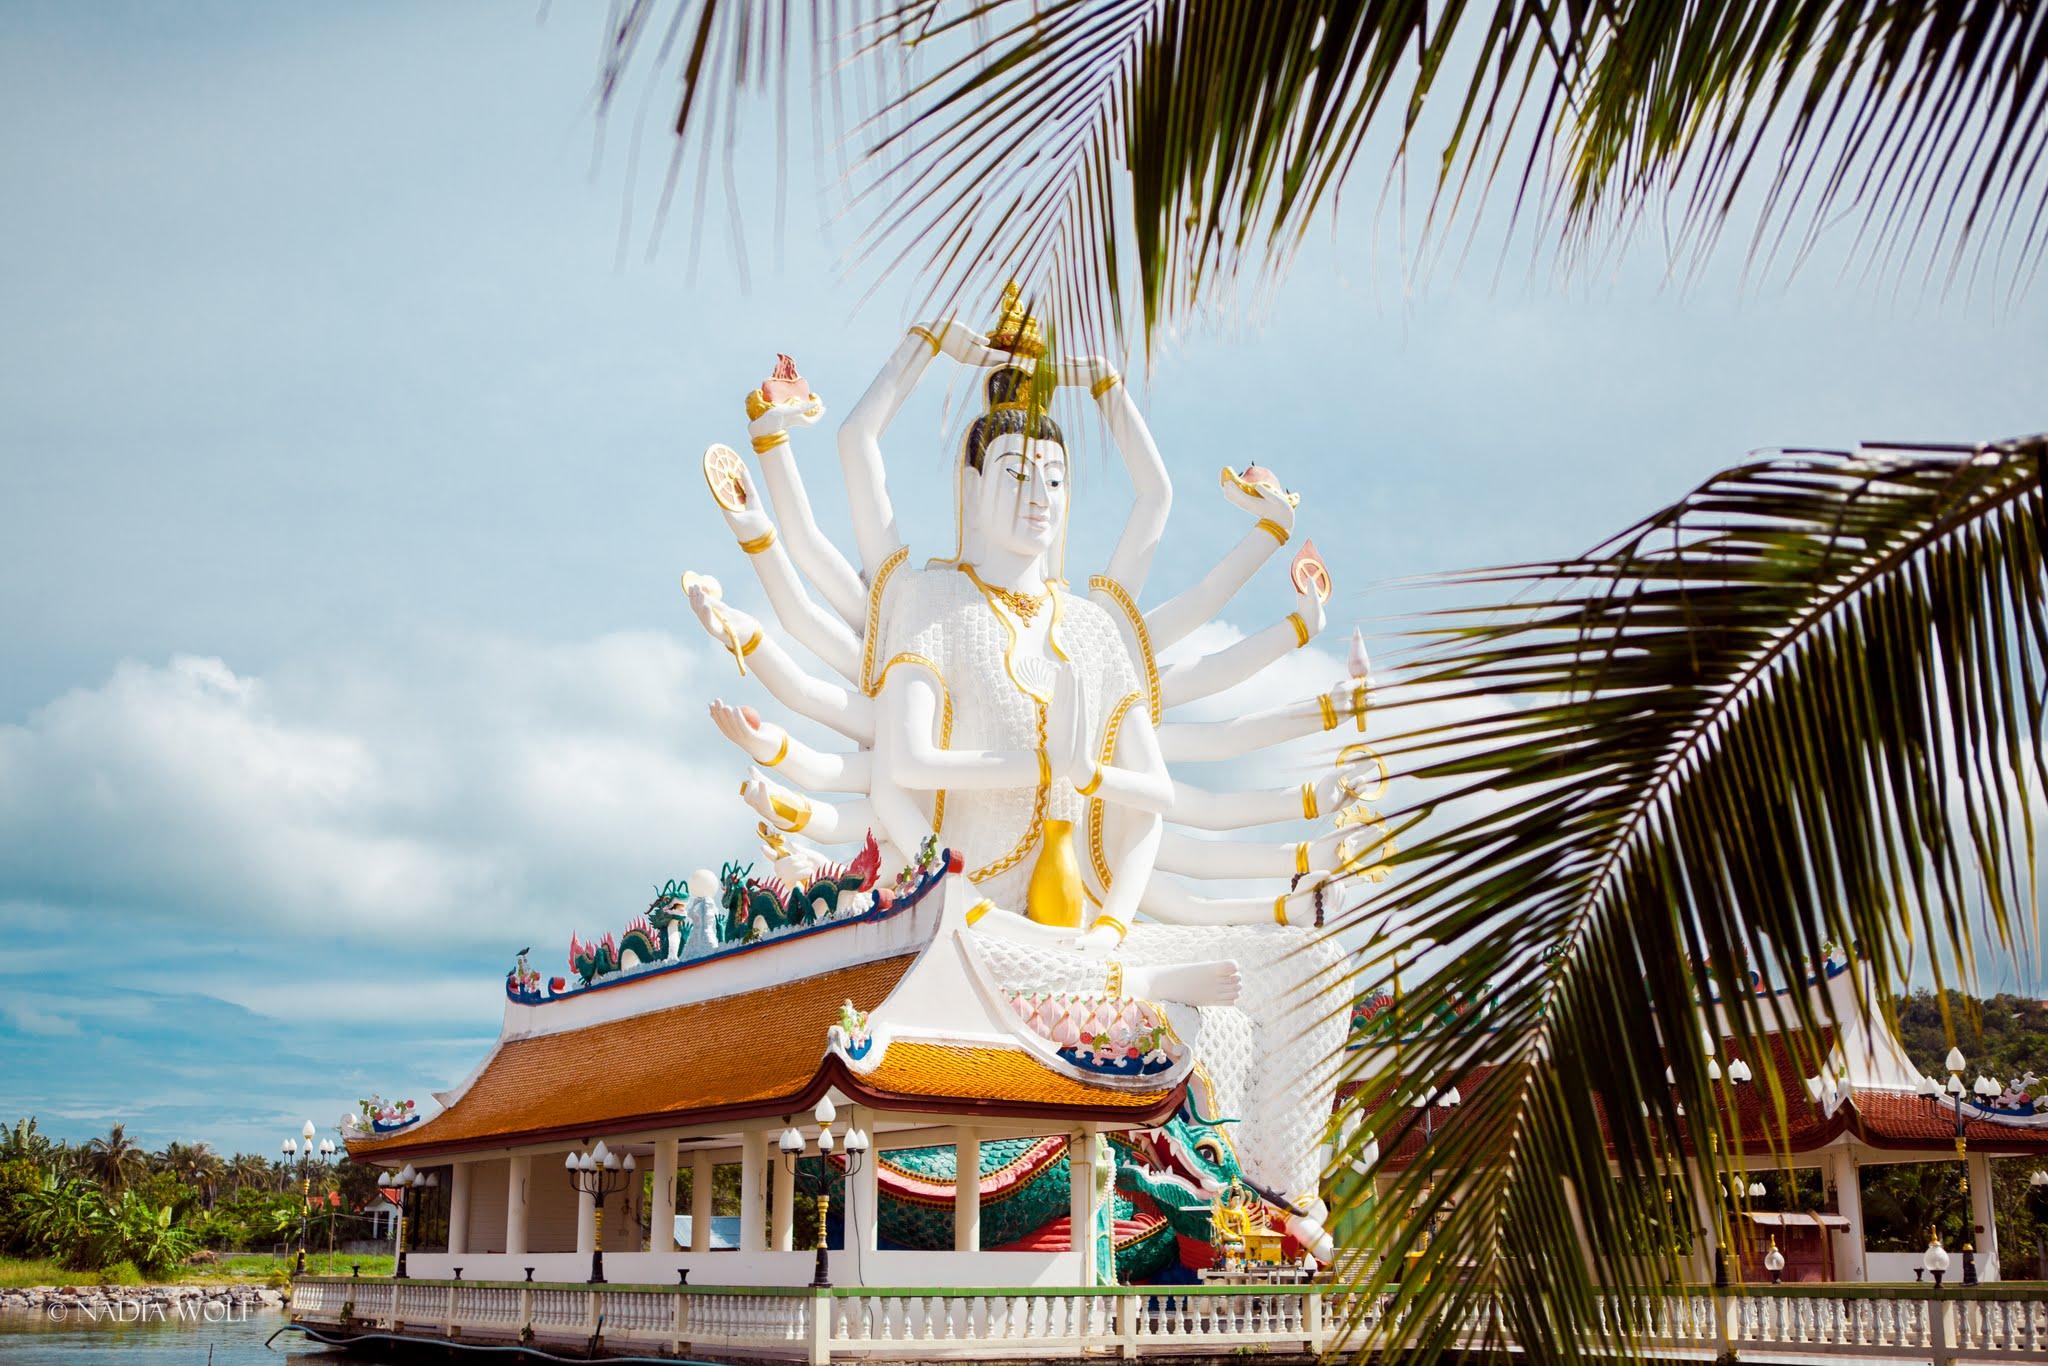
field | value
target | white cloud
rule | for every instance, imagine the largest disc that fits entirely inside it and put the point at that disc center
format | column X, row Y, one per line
column 462, row 788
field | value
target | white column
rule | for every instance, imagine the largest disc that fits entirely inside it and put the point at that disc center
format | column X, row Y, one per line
column 1978, row 1167
column 861, row 1200
column 517, row 1173
column 458, row 1207
column 661, row 1234
column 966, row 1191
column 783, row 1202
column 1849, row 1201
column 1081, row 1201
column 753, row 1191
column 700, row 1200
column 586, row 1224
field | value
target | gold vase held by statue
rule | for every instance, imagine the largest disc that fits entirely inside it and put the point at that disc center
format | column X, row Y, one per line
column 1054, row 896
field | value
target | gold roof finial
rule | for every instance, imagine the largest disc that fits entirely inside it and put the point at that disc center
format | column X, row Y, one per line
column 1016, row 331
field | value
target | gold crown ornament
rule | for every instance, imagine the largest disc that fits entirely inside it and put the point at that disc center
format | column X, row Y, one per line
column 1016, row 331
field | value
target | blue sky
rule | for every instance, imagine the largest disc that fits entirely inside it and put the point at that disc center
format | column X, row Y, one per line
column 348, row 440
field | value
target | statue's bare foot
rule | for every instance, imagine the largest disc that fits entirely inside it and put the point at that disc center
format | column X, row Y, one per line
column 1196, row 984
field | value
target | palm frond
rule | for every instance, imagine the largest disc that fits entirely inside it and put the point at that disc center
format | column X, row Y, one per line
column 1132, row 160
column 1802, row 705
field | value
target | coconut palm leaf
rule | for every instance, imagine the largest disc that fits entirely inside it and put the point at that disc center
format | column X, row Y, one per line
column 1802, row 705
column 1133, row 160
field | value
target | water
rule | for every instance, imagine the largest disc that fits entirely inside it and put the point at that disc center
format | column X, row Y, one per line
column 35, row 1340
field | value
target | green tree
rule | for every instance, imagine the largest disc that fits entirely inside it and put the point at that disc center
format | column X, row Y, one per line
column 115, row 1161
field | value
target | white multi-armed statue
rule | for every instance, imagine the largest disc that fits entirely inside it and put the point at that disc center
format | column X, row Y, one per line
column 1029, row 727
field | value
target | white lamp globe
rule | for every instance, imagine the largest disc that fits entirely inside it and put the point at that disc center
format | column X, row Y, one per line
column 824, row 1140
column 307, row 1132
column 825, row 1113
column 570, row 1163
column 857, row 1140
column 1954, row 1061
column 2038, row 1178
column 289, row 1148
column 1935, row 1258
column 792, row 1140
column 406, row 1175
column 631, row 1165
column 600, row 1152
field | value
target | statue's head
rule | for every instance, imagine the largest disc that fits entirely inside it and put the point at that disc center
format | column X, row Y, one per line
column 1013, row 488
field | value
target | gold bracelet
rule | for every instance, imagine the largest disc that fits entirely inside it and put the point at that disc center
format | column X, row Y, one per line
column 752, row 644
column 978, row 910
column 760, row 542
column 1279, row 532
column 1122, row 930
column 782, row 753
column 1300, row 626
column 765, row 444
column 1280, row 910
column 1301, row 859
column 929, row 339
column 1105, row 384
column 1329, row 712
column 1044, row 771
column 1092, row 784
column 1310, row 807
column 1116, row 970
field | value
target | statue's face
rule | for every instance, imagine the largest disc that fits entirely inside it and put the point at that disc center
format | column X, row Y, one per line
column 1017, row 501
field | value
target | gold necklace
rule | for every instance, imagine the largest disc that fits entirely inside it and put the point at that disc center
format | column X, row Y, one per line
column 1024, row 606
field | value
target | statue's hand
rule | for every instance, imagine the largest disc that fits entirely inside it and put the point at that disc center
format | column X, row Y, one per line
column 964, row 344
column 1088, row 370
column 728, row 626
column 743, row 726
column 1262, row 500
column 752, row 519
column 772, row 802
column 791, row 412
column 1066, row 729
column 1309, row 608
column 1098, row 939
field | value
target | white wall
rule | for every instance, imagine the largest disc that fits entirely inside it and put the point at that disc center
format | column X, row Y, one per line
column 551, row 1205
column 487, row 1204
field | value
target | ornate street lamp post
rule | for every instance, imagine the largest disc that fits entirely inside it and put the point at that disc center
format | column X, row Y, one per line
column 399, row 1186
column 792, row 1147
column 597, row 1174
column 1429, row 1101
column 308, row 1156
column 1984, row 1088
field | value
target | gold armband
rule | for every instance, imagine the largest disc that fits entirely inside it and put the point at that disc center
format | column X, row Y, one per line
column 782, row 753
column 930, row 340
column 1301, row 859
column 1300, row 626
column 759, row 543
column 1088, row 789
column 765, row 444
column 978, row 910
column 1279, row 532
column 1280, row 910
column 1310, row 807
column 1105, row 384
column 1122, row 930
column 1329, row 712
column 751, row 644
column 1116, row 972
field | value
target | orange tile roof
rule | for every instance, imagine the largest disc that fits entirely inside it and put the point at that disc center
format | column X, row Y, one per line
column 1007, row 1078
column 738, row 1057
column 752, row 1052
column 1888, row 1119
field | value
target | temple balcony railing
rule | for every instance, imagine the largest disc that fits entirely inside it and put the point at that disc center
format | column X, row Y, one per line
column 817, row 1326
column 2002, row 1322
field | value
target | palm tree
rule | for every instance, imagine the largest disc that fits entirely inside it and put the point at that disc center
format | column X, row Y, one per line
column 1799, row 706
column 195, row 1164
column 23, row 1142
column 1131, row 160
column 248, row 1169
column 116, row 1161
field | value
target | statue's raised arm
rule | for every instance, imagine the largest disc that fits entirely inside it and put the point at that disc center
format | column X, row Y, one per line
column 1151, row 487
